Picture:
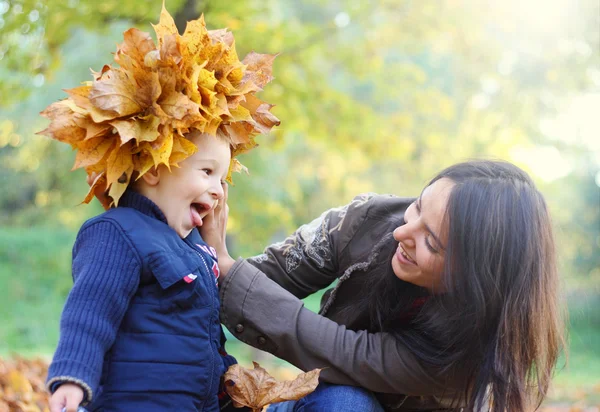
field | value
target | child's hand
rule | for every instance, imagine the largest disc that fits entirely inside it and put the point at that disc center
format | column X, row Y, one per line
column 68, row 395
column 213, row 231
column 100, row 194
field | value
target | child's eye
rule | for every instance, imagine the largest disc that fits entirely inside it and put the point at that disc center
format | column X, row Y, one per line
column 207, row 171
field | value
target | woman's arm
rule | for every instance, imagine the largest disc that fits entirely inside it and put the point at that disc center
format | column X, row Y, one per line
column 261, row 313
column 313, row 256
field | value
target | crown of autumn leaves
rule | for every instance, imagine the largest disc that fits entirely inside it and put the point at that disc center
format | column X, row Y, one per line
column 134, row 117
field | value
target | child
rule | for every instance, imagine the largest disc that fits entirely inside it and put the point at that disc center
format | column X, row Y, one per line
column 140, row 330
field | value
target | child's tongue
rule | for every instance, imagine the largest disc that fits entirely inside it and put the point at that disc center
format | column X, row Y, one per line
column 196, row 219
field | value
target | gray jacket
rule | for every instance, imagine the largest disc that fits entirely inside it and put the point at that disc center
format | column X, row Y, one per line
column 261, row 306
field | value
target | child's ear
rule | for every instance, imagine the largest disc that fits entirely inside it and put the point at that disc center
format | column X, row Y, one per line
column 152, row 177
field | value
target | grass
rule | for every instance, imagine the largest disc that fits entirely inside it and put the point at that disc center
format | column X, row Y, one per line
column 35, row 277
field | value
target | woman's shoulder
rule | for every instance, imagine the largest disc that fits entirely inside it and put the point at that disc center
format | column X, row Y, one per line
column 378, row 205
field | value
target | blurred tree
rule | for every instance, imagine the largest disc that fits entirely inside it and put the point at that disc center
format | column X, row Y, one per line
column 373, row 96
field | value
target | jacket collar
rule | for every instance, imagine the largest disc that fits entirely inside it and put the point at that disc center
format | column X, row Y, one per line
column 142, row 204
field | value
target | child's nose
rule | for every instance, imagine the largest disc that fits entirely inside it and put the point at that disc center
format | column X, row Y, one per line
column 217, row 191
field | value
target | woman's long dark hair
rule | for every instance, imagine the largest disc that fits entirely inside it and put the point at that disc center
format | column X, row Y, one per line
column 498, row 330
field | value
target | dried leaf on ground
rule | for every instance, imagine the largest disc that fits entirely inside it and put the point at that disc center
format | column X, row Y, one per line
column 22, row 386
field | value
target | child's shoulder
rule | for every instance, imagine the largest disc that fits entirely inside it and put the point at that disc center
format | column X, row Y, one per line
column 121, row 222
column 119, row 216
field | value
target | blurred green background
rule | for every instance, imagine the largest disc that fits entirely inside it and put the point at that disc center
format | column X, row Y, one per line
column 373, row 96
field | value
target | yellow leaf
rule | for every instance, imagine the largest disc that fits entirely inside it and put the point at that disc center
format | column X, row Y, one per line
column 92, row 151
column 207, row 79
column 240, row 113
column 235, row 167
column 142, row 163
column 119, row 162
column 140, row 129
column 117, row 189
column 161, row 150
column 166, row 25
column 18, row 382
column 195, row 37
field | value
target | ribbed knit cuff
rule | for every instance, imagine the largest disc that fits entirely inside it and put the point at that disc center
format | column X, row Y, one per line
column 67, row 371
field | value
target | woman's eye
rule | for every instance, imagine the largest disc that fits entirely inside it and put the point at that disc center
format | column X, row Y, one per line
column 431, row 248
column 207, row 171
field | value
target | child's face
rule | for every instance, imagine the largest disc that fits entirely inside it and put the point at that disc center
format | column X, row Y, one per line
column 187, row 193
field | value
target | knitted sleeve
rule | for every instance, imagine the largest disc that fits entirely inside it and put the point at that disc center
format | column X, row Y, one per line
column 106, row 272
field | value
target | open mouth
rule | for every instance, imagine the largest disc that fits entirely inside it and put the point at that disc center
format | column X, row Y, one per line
column 198, row 211
column 405, row 255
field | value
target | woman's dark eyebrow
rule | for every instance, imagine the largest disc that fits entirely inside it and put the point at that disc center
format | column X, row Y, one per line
column 433, row 235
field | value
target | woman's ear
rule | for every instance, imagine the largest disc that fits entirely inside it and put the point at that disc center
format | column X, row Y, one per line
column 151, row 177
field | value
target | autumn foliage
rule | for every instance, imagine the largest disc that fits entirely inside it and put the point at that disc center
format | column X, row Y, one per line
column 255, row 388
column 135, row 116
column 22, row 387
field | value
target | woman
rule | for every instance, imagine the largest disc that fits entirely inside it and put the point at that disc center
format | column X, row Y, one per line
column 448, row 301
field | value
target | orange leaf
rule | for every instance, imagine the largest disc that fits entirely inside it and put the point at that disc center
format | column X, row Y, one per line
column 63, row 126
column 134, row 48
column 92, row 151
column 99, row 182
column 124, row 93
column 256, row 388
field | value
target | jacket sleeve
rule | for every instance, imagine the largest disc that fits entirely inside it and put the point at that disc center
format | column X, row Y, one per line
column 106, row 275
column 264, row 315
column 309, row 259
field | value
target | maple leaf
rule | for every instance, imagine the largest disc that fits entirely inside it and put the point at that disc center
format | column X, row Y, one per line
column 141, row 129
column 92, row 151
column 132, row 116
column 259, row 68
column 63, row 126
column 132, row 52
column 255, row 388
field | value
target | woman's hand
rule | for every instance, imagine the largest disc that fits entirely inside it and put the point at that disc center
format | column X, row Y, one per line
column 213, row 231
column 68, row 396
column 100, row 194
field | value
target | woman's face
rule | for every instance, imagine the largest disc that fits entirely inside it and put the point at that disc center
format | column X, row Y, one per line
column 419, row 258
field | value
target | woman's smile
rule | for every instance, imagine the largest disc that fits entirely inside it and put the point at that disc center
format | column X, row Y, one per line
column 404, row 257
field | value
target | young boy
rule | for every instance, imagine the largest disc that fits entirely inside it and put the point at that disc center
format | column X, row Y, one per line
column 140, row 330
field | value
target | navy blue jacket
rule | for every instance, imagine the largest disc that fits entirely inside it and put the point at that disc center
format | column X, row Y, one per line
column 140, row 329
